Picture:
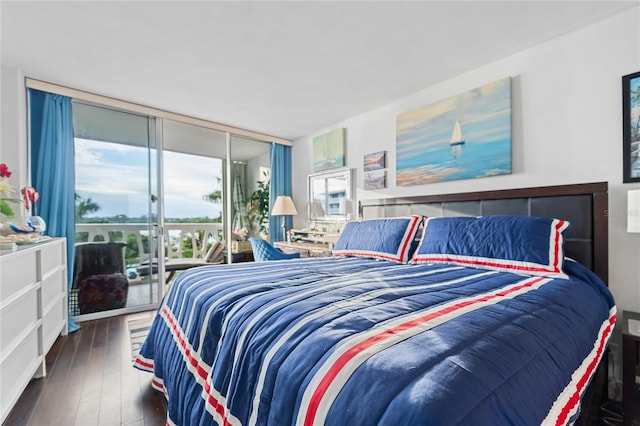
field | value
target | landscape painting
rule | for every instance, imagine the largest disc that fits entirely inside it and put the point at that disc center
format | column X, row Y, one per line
column 631, row 127
column 328, row 150
column 374, row 161
column 463, row 137
column 376, row 179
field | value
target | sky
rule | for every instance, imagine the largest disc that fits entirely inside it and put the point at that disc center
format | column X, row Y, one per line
column 116, row 177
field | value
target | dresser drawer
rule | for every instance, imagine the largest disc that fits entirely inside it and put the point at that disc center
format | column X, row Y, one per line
column 16, row 316
column 17, row 369
column 53, row 322
column 17, row 271
column 51, row 257
column 52, row 287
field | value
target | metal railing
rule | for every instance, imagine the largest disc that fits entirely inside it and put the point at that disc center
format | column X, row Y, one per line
column 199, row 237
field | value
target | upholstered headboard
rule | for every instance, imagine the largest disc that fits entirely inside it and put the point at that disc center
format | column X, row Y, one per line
column 584, row 205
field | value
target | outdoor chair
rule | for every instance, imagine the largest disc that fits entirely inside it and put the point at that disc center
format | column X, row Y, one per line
column 172, row 265
column 99, row 277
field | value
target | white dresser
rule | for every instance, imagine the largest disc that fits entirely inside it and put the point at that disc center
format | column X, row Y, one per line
column 33, row 313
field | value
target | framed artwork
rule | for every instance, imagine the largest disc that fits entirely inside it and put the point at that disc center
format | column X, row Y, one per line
column 376, row 179
column 463, row 137
column 631, row 127
column 328, row 150
column 375, row 161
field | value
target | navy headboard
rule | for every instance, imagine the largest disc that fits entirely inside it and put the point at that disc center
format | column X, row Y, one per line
column 584, row 205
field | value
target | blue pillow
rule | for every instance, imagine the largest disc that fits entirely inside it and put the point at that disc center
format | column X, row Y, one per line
column 519, row 244
column 388, row 238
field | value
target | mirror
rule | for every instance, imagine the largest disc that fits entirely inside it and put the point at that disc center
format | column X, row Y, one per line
column 330, row 195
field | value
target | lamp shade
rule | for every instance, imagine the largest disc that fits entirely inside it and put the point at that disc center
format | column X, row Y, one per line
column 633, row 210
column 345, row 206
column 316, row 209
column 283, row 206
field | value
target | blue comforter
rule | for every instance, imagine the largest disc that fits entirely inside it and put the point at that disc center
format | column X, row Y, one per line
column 362, row 342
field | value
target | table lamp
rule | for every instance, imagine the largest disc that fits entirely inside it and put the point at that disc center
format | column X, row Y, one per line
column 284, row 207
column 345, row 207
column 316, row 209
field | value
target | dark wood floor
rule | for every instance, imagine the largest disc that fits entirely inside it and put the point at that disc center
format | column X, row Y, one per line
column 90, row 381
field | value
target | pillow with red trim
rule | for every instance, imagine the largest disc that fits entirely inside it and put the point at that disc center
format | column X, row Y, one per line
column 518, row 244
column 387, row 238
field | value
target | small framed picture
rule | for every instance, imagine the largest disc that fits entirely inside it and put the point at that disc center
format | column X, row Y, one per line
column 376, row 179
column 375, row 161
column 631, row 127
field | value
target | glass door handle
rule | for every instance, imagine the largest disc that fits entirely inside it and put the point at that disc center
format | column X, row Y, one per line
column 156, row 230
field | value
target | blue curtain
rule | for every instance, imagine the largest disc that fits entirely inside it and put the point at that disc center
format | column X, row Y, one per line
column 280, row 185
column 53, row 169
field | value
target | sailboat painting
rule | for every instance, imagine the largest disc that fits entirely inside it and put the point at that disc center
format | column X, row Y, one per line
column 456, row 143
column 463, row 137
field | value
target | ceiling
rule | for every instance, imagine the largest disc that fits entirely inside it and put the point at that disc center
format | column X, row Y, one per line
column 288, row 68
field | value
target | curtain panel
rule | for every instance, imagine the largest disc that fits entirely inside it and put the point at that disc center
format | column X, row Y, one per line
column 53, row 169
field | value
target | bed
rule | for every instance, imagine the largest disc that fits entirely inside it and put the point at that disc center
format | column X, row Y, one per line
column 478, row 308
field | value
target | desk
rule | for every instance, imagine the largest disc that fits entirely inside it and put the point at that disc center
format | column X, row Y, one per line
column 304, row 248
column 630, row 353
column 237, row 257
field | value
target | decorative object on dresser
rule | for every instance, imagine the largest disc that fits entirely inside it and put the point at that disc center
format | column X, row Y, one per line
column 33, row 313
column 284, row 207
column 631, row 127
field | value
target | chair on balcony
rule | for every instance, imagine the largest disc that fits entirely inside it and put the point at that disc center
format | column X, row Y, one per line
column 172, row 265
column 99, row 277
column 263, row 251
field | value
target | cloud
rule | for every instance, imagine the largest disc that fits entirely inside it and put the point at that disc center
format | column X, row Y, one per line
column 116, row 177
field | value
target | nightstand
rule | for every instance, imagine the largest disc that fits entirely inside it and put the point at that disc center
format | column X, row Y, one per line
column 630, row 352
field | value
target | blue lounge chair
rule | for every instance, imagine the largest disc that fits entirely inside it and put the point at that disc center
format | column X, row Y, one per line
column 263, row 251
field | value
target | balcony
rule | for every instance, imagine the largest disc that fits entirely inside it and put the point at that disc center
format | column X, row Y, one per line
column 183, row 242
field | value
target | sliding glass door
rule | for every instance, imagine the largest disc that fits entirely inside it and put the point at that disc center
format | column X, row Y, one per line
column 193, row 195
column 249, row 176
column 118, row 171
column 155, row 197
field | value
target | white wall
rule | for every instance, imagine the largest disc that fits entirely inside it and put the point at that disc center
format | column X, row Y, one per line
column 566, row 118
column 13, row 123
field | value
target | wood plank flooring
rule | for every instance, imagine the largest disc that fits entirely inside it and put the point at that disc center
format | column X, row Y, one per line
column 90, row 381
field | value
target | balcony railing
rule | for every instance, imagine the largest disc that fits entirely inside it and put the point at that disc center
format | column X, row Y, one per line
column 198, row 236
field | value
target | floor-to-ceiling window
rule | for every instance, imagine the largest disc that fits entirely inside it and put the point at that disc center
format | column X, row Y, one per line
column 138, row 176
